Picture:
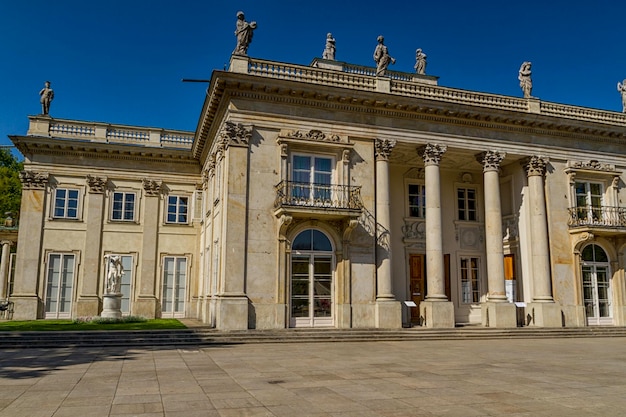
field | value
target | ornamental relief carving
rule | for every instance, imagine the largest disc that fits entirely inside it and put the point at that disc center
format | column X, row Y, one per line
column 235, row 134
column 490, row 160
column 32, row 180
column 432, row 153
column 151, row 187
column 383, row 148
column 96, row 184
column 313, row 134
column 469, row 237
column 414, row 230
column 591, row 165
column 535, row 165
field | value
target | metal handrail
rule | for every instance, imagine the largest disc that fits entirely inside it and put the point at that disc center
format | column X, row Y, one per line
column 300, row 194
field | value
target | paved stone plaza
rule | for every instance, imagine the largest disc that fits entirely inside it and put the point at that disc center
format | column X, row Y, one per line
column 545, row 377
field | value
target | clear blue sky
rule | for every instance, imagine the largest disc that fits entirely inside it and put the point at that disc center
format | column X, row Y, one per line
column 122, row 61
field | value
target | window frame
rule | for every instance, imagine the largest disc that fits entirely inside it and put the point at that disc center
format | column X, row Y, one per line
column 135, row 218
column 188, row 214
column 408, row 204
column 187, row 271
column 476, row 292
column 66, row 199
column 312, row 185
column 466, row 210
column 75, row 272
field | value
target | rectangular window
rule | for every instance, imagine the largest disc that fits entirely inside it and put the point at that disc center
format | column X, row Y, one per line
column 589, row 201
column 466, row 203
column 470, row 282
column 123, row 206
column 177, row 209
column 59, row 285
column 174, row 286
column 65, row 203
column 312, row 178
column 417, row 200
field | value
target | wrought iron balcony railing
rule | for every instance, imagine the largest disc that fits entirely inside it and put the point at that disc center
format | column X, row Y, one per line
column 603, row 216
column 330, row 196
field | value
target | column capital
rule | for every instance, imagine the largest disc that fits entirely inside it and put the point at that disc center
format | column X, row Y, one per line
column 151, row 187
column 33, row 180
column 96, row 185
column 490, row 160
column 535, row 165
column 235, row 134
column 6, row 242
column 432, row 153
column 383, row 148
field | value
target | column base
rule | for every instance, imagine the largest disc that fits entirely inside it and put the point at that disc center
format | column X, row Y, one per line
column 500, row 315
column 111, row 306
column 437, row 314
column 543, row 315
column 231, row 313
column 25, row 307
column 388, row 314
column 145, row 307
column 87, row 306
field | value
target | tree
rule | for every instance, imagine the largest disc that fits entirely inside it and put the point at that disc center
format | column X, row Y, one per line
column 10, row 185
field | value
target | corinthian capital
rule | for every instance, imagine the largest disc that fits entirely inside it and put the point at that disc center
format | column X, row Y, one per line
column 432, row 153
column 236, row 134
column 32, row 180
column 490, row 160
column 382, row 148
column 535, row 165
column 96, row 184
column 151, row 187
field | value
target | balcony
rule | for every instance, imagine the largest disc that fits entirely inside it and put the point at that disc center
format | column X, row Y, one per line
column 598, row 219
column 324, row 201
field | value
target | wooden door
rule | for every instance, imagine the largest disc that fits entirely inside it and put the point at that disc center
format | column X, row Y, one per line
column 417, row 287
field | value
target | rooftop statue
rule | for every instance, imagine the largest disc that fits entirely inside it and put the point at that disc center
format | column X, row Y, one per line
column 329, row 50
column 621, row 87
column 525, row 82
column 420, row 62
column 47, row 95
column 244, row 34
column 382, row 57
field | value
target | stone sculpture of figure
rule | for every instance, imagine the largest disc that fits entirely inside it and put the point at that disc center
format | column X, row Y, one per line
column 382, row 57
column 47, row 95
column 115, row 270
column 420, row 61
column 329, row 50
column 525, row 82
column 621, row 87
column 244, row 34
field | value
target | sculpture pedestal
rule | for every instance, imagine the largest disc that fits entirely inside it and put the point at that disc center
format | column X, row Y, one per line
column 111, row 306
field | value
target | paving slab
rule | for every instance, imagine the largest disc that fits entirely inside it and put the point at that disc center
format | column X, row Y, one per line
column 502, row 377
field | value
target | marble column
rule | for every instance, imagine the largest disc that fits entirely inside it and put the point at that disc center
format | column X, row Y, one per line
column 4, row 268
column 146, row 303
column 88, row 302
column 231, row 301
column 28, row 260
column 496, row 311
column 544, row 312
column 435, row 311
column 388, row 310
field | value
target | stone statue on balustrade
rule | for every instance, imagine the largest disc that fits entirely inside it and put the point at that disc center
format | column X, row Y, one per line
column 115, row 271
column 382, row 57
column 329, row 50
column 420, row 62
column 47, row 95
column 621, row 87
column 525, row 80
column 243, row 32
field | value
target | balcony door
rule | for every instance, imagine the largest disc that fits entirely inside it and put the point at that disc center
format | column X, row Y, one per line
column 312, row 284
column 589, row 202
column 596, row 285
column 312, row 178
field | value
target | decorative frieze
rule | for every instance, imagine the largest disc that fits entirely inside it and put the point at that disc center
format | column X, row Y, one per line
column 383, row 148
column 591, row 165
column 313, row 134
column 490, row 160
column 151, row 187
column 96, row 184
column 414, row 230
column 535, row 165
column 32, row 180
column 432, row 153
column 235, row 134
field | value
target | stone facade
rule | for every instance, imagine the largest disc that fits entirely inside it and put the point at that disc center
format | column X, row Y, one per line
column 326, row 196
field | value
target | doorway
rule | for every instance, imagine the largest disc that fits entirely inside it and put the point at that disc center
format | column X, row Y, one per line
column 596, row 286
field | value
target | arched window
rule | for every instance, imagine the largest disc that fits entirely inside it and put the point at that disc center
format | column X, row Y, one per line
column 312, row 289
column 596, row 285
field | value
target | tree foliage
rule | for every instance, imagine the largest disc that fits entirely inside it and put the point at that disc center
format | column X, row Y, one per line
column 10, row 185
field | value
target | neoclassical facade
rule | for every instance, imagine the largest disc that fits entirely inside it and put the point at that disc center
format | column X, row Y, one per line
column 327, row 196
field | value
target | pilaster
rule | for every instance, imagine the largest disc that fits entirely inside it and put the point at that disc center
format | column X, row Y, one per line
column 146, row 304
column 28, row 258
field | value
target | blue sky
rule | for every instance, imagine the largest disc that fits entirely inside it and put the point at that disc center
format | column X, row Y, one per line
column 122, row 61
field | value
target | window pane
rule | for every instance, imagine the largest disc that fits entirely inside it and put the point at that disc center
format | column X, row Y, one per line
column 302, row 241
column 301, row 162
column 321, row 242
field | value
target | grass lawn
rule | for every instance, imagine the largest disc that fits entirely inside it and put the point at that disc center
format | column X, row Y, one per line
column 69, row 325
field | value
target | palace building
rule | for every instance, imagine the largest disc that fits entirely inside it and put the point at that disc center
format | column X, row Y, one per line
column 328, row 196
